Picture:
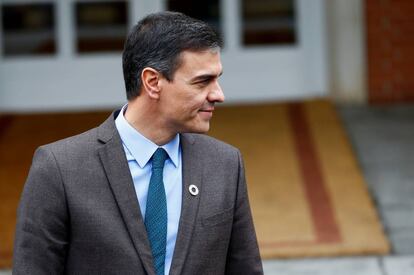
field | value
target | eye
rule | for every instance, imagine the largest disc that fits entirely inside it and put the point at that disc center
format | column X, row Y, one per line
column 203, row 83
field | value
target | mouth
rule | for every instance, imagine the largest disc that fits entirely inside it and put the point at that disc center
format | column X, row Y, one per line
column 207, row 113
column 208, row 110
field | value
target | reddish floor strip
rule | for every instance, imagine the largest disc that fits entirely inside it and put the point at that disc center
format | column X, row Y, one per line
column 325, row 226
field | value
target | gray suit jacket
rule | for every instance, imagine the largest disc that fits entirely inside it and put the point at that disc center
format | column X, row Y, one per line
column 79, row 213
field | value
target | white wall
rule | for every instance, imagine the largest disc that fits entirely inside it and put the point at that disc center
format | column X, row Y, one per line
column 71, row 82
column 347, row 58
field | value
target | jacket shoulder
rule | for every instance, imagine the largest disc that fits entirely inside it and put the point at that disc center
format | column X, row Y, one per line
column 85, row 142
column 73, row 143
column 203, row 138
column 209, row 143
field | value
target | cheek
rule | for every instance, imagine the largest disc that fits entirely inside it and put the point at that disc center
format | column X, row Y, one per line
column 186, row 102
column 193, row 103
column 182, row 109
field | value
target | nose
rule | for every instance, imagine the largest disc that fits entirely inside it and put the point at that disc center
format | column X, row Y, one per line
column 216, row 94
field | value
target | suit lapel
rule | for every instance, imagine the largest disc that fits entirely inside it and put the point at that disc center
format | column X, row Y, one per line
column 116, row 167
column 192, row 171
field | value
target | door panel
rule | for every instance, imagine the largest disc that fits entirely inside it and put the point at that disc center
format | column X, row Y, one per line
column 68, row 80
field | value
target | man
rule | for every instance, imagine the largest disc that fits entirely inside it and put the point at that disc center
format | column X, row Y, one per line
column 140, row 194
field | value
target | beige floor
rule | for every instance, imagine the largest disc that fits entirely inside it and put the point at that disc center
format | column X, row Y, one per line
column 382, row 138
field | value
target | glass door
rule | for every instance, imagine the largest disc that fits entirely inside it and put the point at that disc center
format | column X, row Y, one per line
column 273, row 49
column 66, row 55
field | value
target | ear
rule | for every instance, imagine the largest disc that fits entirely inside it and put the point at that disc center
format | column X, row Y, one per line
column 151, row 82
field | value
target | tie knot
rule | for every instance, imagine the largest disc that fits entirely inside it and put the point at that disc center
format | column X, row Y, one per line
column 159, row 158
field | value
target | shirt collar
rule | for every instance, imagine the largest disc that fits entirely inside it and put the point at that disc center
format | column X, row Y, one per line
column 139, row 146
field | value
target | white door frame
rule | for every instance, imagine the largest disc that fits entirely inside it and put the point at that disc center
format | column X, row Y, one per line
column 68, row 81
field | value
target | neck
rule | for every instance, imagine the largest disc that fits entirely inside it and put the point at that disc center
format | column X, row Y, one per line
column 143, row 117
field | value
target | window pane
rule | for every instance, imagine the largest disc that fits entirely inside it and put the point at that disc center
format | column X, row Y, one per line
column 206, row 10
column 28, row 29
column 268, row 22
column 101, row 26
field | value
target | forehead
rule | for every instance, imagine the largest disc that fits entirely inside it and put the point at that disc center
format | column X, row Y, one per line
column 200, row 62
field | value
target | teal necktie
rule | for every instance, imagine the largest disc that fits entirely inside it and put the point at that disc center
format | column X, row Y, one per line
column 156, row 211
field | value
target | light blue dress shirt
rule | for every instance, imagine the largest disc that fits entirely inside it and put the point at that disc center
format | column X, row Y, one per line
column 139, row 150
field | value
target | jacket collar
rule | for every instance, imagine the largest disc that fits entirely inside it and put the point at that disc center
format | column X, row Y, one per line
column 113, row 159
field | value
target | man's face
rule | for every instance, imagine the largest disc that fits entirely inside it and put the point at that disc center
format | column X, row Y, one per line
column 187, row 101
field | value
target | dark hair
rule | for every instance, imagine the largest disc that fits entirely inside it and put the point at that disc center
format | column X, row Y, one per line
column 157, row 42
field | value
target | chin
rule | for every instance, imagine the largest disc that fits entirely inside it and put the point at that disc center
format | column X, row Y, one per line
column 199, row 129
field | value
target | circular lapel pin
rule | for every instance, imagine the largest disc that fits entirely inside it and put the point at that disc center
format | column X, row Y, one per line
column 193, row 190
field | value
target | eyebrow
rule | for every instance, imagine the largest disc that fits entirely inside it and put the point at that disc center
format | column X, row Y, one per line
column 204, row 77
